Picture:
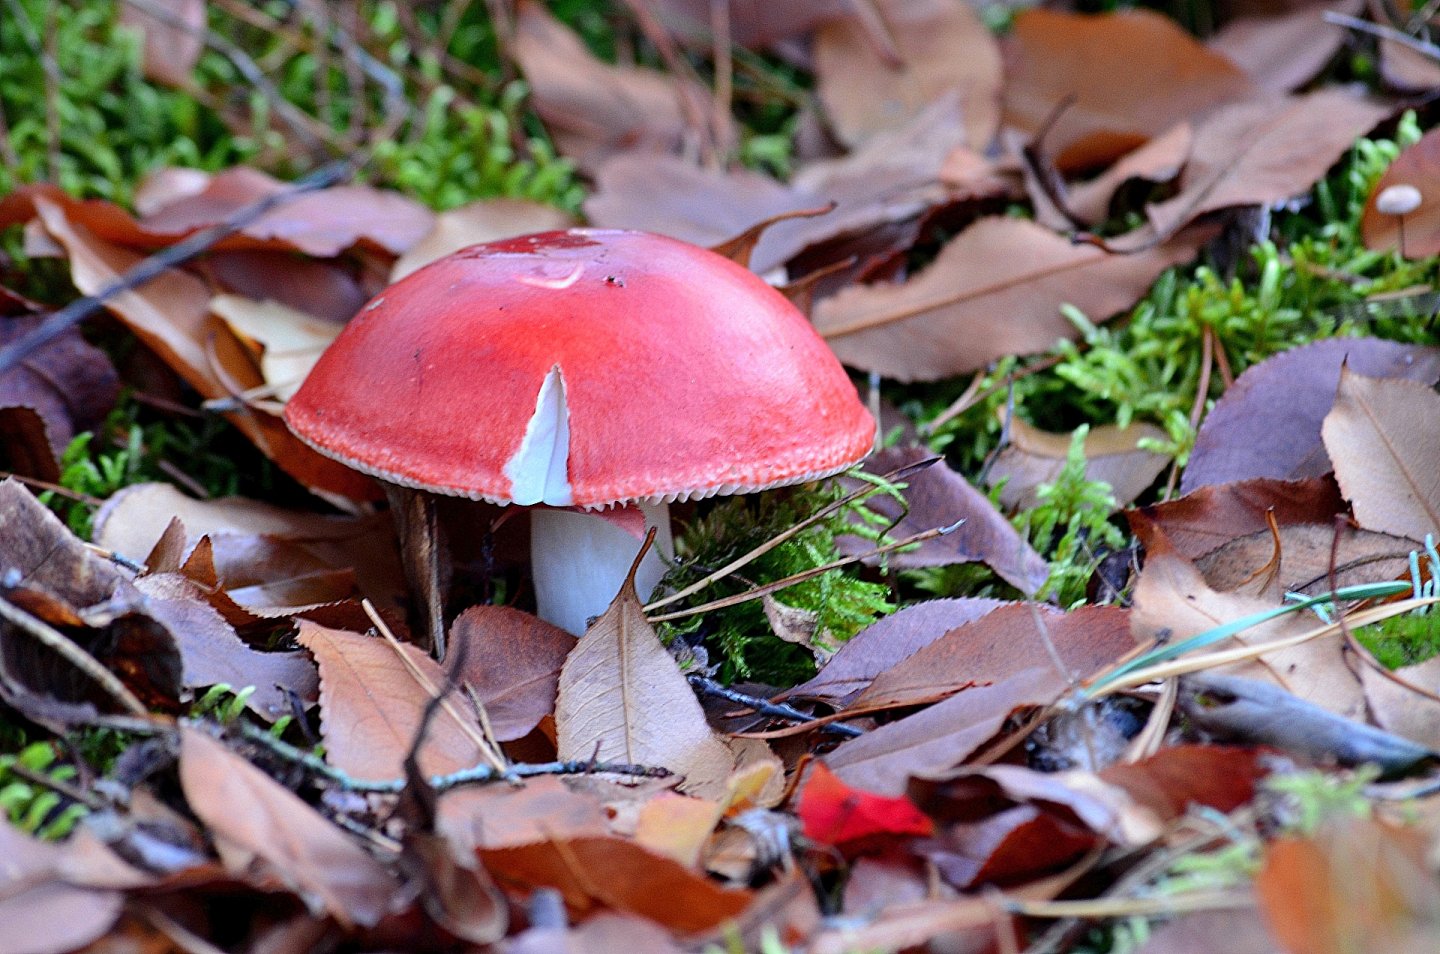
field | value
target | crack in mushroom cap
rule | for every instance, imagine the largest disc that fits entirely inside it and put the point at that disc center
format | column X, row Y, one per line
column 653, row 369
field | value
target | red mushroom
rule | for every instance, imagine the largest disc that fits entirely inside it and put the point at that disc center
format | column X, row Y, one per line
column 576, row 371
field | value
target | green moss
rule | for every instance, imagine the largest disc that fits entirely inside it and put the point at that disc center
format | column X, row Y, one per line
column 739, row 637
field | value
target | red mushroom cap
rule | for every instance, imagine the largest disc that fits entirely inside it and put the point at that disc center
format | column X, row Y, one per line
column 683, row 375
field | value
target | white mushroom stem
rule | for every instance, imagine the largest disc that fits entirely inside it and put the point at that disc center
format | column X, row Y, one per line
column 579, row 560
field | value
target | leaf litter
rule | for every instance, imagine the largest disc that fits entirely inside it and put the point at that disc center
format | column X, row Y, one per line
column 536, row 792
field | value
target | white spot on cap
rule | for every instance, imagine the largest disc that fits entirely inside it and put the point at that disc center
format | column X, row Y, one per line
column 1398, row 200
column 558, row 283
column 539, row 471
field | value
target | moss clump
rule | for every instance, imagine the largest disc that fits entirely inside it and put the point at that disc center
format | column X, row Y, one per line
column 739, row 637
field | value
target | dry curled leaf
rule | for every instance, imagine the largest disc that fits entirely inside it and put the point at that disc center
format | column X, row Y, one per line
column 939, row 46
column 1096, row 64
column 1268, row 423
column 1112, row 455
column 994, row 290
column 260, row 826
column 622, row 698
column 1382, row 435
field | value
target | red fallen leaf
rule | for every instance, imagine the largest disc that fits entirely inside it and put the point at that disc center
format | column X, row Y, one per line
column 1179, row 776
column 1418, row 166
column 1268, row 423
column 940, row 46
column 595, row 109
column 1208, row 518
column 1102, row 61
column 833, row 813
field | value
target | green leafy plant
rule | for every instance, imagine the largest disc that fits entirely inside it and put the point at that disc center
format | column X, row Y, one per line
column 1071, row 523
column 31, row 806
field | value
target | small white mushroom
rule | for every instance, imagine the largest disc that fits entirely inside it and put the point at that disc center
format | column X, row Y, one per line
column 1398, row 200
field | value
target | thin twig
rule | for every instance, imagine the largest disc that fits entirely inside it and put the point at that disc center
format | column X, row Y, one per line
column 804, row 575
column 178, row 254
column 898, row 474
column 775, row 710
column 1383, row 32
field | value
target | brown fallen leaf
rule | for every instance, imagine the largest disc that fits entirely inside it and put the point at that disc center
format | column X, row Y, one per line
column 1101, row 61
column 259, row 550
column 622, row 698
column 253, row 819
column 597, row 874
column 1417, row 166
column 371, row 701
column 1034, row 457
column 595, row 109
column 884, row 644
column 506, row 816
column 1206, row 519
column 65, row 387
column 1006, row 824
column 1173, row 603
column 322, row 223
column 1159, row 160
column 1356, row 884
column 44, row 910
column 1284, row 51
column 329, row 289
column 1263, row 151
column 170, row 315
column 1302, row 557
column 1006, row 641
column 939, row 46
column 1169, row 782
column 1403, row 701
column 994, row 290
column 483, row 221
column 892, row 179
column 1243, row 930
column 512, row 661
column 1268, row 423
column 285, row 342
column 605, row 933
column 939, row 497
column 1406, row 68
column 1383, row 438
column 173, row 41
column 754, row 24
